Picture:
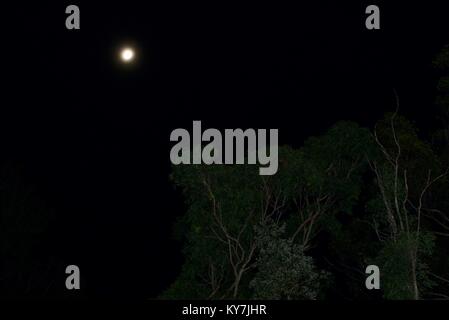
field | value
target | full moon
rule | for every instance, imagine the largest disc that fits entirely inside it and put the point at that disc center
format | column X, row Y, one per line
column 127, row 55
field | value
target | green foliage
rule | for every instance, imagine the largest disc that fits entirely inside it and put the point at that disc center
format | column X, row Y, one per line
column 236, row 198
column 417, row 156
column 228, row 193
column 395, row 264
column 327, row 187
column 284, row 271
column 334, row 163
column 404, row 168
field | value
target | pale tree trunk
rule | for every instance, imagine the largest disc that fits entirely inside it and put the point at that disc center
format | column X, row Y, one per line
column 397, row 209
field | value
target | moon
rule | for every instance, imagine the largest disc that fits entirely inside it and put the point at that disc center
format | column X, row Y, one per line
column 127, row 54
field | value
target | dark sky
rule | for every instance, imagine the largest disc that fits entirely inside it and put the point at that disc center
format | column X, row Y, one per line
column 93, row 135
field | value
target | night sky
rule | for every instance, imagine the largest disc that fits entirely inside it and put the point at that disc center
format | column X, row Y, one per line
column 92, row 134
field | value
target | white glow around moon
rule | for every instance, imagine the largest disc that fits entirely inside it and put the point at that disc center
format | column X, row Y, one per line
column 127, row 55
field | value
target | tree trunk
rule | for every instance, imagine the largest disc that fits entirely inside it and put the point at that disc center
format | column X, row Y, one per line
column 236, row 284
column 414, row 280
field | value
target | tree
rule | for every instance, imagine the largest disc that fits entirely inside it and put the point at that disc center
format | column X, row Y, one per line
column 328, row 179
column 223, row 207
column 284, row 271
column 227, row 203
column 405, row 170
